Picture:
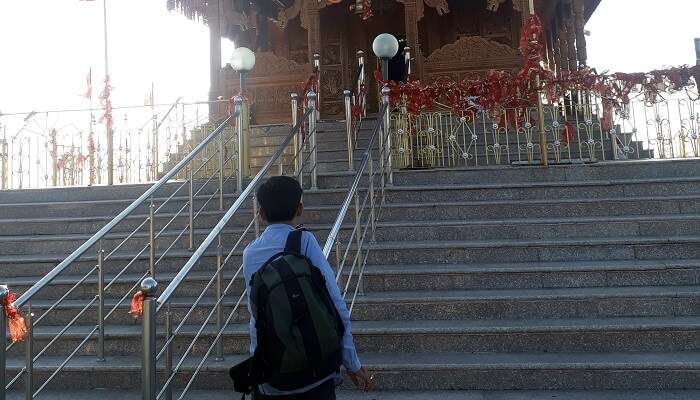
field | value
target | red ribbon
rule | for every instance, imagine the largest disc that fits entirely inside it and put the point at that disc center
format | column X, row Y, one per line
column 136, row 309
column 15, row 322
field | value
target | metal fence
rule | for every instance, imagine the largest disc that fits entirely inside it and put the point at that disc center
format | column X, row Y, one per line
column 69, row 147
column 573, row 133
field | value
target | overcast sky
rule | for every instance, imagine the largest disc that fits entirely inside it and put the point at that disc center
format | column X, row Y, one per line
column 47, row 47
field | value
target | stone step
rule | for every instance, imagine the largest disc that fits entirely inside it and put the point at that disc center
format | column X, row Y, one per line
column 426, row 371
column 582, row 335
column 403, row 193
column 433, row 277
column 342, row 394
column 475, row 212
column 402, row 230
column 585, row 302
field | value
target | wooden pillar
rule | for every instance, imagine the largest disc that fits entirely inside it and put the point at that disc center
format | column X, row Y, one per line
column 570, row 38
column 411, row 22
column 313, row 18
column 579, row 8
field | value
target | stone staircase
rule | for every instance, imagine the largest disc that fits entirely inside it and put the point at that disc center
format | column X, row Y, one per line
column 571, row 282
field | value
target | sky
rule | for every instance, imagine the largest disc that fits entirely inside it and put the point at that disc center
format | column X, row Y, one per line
column 48, row 46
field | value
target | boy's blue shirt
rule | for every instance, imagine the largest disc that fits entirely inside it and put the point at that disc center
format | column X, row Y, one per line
column 273, row 241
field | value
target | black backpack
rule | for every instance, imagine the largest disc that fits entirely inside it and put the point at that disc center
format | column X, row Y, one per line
column 299, row 331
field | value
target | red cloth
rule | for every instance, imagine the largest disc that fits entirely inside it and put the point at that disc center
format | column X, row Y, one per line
column 15, row 322
column 136, row 309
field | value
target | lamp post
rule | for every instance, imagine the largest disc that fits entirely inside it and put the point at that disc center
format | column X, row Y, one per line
column 243, row 61
column 385, row 47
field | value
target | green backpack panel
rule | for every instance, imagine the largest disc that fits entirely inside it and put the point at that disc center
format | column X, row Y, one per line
column 299, row 331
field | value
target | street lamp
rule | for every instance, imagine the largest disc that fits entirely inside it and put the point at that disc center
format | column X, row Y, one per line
column 385, row 47
column 243, row 61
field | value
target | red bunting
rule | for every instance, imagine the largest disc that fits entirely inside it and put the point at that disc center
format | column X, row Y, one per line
column 136, row 309
column 15, row 322
column 500, row 90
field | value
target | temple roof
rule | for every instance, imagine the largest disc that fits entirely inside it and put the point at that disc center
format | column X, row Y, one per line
column 233, row 10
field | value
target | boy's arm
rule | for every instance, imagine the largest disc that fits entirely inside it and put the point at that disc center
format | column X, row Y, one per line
column 313, row 251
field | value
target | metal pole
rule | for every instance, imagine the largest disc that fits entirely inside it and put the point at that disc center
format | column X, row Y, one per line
column 191, row 206
column 540, row 108
column 4, row 291
column 149, row 287
column 317, row 67
column 297, row 142
column 151, row 240
column 348, row 129
column 222, row 162
column 219, row 295
column 385, row 69
column 169, row 351
column 312, row 132
column 101, row 303
column 256, row 222
column 110, row 132
column 29, row 356
column 386, row 132
column 362, row 99
column 238, row 101
column 407, row 60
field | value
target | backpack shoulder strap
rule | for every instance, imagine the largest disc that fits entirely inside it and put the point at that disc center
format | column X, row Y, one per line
column 293, row 245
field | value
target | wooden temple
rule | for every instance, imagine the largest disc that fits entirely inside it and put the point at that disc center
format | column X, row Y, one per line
column 448, row 39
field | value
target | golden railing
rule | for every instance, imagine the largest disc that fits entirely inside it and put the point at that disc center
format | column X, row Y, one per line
column 55, row 148
column 573, row 133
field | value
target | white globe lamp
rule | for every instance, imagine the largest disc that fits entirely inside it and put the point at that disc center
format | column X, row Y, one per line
column 385, row 47
column 243, row 61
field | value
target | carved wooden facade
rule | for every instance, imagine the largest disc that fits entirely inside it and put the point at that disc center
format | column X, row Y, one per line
column 451, row 39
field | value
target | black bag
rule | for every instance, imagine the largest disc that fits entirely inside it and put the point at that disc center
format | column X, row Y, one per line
column 247, row 375
column 299, row 331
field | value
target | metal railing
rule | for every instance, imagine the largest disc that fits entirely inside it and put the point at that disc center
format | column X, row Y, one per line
column 573, row 133
column 159, row 224
column 61, row 148
column 371, row 181
column 208, row 330
column 355, row 103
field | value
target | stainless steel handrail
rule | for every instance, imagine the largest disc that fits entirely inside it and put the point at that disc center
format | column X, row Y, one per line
column 46, row 279
column 182, row 274
column 213, row 316
column 337, row 225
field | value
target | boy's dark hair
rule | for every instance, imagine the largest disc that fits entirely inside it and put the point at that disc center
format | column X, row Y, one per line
column 279, row 198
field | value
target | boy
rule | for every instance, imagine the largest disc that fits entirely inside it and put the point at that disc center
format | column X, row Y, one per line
column 280, row 205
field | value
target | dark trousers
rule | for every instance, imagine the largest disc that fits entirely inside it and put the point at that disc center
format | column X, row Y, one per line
column 325, row 391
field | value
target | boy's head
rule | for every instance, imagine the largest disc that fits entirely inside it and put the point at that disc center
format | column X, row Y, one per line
column 280, row 199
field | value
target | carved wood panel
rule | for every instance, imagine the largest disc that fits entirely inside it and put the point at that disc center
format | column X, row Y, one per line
column 269, row 86
column 468, row 56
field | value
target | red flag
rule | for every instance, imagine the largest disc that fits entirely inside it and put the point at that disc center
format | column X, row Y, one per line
column 88, row 91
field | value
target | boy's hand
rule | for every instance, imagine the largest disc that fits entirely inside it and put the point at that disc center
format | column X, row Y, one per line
column 362, row 379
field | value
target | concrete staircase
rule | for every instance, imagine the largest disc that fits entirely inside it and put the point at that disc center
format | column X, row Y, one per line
column 572, row 282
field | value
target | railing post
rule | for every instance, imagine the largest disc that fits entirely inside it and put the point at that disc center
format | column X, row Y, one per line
column 152, row 239
column 348, row 129
column 317, row 68
column 240, row 120
column 101, row 303
column 190, row 196
column 312, row 136
column 149, row 287
column 362, row 98
column 297, row 143
column 256, row 220
column 407, row 60
column 219, row 295
column 222, row 162
column 29, row 356
column 387, row 133
column 169, row 352
column 4, row 291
